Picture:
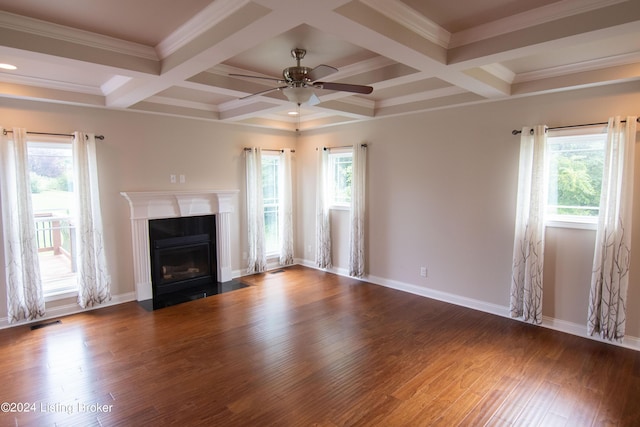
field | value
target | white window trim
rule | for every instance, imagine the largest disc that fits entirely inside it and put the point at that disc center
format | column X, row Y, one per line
column 341, row 207
column 53, row 141
column 275, row 254
column 55, row 296
column 333, row 205
column 576, row 222
column 573, row 221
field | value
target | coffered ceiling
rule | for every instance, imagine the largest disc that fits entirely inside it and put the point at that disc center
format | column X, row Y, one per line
column 170, row 57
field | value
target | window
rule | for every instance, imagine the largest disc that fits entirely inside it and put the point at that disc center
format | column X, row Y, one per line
column 575, row 165
column 271, row 202
column 51, row 176
column 340, row 173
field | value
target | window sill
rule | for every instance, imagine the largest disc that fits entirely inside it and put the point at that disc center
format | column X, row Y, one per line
column 340, row 208
column 55, row 296
column 575, row 224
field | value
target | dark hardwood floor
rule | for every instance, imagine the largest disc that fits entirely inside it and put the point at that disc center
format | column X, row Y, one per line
column 303, row 347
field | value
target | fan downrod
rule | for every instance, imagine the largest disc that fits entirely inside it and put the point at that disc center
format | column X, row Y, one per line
column 298, row 54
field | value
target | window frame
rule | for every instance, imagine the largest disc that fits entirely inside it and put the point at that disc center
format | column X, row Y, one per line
column 331, row 184
column 583, row 222
column 276, row 156
column 51, row 141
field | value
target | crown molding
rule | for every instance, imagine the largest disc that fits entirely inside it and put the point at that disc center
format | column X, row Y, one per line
column 579, row 67
column 209, row 17
column 361, row 67
column 412, row 20
column 538, row 16
column 50, row 84
column 354, row 100
column 182, row 103
column 421, row 96
column 73, row 35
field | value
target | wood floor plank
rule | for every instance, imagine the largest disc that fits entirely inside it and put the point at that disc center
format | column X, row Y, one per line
column 306, row 347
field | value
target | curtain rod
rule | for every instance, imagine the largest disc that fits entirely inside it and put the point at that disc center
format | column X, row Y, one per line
column 6, row 131
column 342, row 146
column 281, row 150
column 516, row 132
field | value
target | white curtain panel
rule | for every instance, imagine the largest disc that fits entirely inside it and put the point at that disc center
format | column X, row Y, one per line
column 357, row 213
column 528, row 247
column 323, row 228
column 257, row 260
column 610, row 277
column 25, row 298
column 285, row 210
column 94, row 281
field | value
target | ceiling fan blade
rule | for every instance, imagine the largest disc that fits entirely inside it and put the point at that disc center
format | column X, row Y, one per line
column 314, row 100
column 321, row 71
column 262, row 92
column 258, row 77
column 344, row 87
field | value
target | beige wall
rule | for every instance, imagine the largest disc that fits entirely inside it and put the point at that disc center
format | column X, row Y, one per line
column 442, row 194
column 441, row 189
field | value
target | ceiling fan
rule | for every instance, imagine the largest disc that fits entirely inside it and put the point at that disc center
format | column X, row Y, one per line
column 300, row 81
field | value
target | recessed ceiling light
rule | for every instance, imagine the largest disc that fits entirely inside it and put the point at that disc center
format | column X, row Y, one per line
column 8, row 67
column 293, row 113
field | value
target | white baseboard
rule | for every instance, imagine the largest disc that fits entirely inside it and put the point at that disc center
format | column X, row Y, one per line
column 271, row 265
column 68, row 309
column 630, row 342
column 499, row 310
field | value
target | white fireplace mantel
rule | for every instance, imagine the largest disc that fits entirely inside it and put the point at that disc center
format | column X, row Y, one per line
column 146, row 205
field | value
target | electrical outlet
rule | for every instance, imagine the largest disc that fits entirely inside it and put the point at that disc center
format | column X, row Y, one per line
column 183, row 179
column 172, row 178
column 423, row 271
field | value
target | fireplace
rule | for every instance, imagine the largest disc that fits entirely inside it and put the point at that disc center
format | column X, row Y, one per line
column 183, row 259
column 150, row 206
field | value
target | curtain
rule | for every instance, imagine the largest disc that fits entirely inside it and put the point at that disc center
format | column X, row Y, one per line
column 285, row 211
column 323, row 229
column 25, row 299
column 356, row 215
column 94, row 281
column 257, row 260
column 528, row 247
column 610, row 276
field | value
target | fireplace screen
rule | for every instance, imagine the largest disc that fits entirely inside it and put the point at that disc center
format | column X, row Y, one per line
column 183, row 263
column 181, row 260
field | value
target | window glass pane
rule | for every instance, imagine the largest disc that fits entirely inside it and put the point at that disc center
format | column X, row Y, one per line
column 575, row 174
column 340, row 167
column 271, row 200
column 51, row 175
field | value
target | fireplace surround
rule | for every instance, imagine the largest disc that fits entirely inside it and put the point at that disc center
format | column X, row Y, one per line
column 150, row 205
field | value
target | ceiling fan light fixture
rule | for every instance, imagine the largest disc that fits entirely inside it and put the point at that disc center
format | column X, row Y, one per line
column 298, row 95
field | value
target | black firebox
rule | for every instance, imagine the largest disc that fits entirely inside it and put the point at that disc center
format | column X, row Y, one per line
column 183, row 259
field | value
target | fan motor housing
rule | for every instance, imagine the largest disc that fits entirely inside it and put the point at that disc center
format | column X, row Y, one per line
column 296, row 74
